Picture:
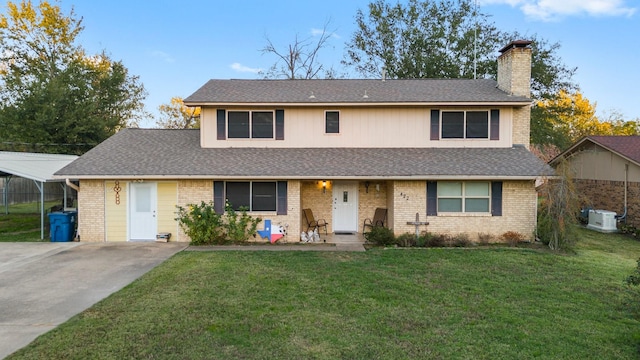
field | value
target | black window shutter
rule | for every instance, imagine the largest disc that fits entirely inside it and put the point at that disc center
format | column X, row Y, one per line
column 218, row 197
column 435, row 124
column 282, row 198
column 432, row 198
column 495, row 125
column 496, row 198
column 279, row 124
column 222, row 122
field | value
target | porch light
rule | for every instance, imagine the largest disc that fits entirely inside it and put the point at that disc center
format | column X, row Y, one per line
column 324, row 186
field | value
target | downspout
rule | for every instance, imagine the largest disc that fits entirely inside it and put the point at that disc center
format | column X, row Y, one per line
column 626, row 184
column 77, row 189
column 72, row 185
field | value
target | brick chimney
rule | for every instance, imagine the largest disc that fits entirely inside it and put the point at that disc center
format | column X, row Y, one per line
column 514, row 68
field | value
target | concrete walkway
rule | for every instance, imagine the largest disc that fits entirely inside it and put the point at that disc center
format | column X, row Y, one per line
column 42, row 285
column 282, row 247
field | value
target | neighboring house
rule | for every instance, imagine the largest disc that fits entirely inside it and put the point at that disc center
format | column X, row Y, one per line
column 453, row 151
column 607, row 173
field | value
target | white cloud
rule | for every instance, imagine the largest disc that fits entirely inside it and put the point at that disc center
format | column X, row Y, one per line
column 241, row 68
column 548, row 10
column 163, row 55
column 318, row 32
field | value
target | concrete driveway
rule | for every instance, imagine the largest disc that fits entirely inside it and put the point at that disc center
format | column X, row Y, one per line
column 44, row 284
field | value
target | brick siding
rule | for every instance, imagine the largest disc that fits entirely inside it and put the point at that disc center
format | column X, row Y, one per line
column 91, row 216
column 518, row 212
column 609, row 195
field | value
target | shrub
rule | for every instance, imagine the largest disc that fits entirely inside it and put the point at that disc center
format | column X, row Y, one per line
column 380, row 236
column 634, row 279
column 240, row 226
column 512, row 237
column 205, row 227
column 437, row 240
column 630, row 230
column 421, row 241
column 406, row 240
column 201, row 224
column 484, row 238
column 461, row 240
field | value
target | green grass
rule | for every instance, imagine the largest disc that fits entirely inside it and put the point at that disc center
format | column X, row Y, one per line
column 493, row 303
column 22, row 224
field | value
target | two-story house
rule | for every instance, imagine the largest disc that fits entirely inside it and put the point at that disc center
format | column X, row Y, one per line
column 453, row 151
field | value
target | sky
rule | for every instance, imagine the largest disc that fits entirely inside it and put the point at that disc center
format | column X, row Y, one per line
column 176, row 46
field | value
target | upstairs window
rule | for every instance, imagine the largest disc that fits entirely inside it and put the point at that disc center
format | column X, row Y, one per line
column 250, row 124
column 332, row 122
column 465, row 125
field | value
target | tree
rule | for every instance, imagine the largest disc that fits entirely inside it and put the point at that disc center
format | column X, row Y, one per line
column 444, row 39
column 567, row 117
column 558, row 209
column 176, row 115
column 423, row 39
column 300, row 59
column 53, row 96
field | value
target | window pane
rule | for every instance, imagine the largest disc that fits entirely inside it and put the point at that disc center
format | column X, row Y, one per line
column 143, row 199
column 239, row 124
column 449, row 188
column 453, row 125
column 332, row 122
column 262, row 125
column 477, row 125
column 476, row 205
column 449, row 205
column 238, row 194
column 476, row 189
column 264, row 196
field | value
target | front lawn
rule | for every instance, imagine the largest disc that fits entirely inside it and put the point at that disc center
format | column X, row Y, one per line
column 23, row 222
column 492, row 303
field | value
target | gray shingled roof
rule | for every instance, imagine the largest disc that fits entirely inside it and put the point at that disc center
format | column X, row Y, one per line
column 139, row 153
column 425, row 91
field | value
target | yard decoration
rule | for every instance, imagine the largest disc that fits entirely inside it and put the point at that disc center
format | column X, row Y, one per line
column 272, row 233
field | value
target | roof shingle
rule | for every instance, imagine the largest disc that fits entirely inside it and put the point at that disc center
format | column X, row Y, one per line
column 351, row 91
column 133, row 153
column 628, row 146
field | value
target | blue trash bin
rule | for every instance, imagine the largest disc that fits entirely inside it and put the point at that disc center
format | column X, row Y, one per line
column 62, row 225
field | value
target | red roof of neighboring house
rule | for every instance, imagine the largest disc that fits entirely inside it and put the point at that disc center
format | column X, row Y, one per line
column 627, row 146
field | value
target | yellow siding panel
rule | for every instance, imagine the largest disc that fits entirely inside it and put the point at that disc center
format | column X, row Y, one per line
column 167, row 201
column 116, row 210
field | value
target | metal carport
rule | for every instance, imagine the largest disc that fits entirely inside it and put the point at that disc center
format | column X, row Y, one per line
column 37, row 167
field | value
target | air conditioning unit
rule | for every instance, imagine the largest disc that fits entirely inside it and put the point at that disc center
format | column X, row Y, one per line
column 602, row 220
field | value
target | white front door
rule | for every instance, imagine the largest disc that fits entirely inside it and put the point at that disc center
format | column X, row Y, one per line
column 345, row 207
column 143, row 222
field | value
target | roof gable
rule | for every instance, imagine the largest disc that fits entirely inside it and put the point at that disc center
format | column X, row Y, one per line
column 309, row 92
column 625, row 146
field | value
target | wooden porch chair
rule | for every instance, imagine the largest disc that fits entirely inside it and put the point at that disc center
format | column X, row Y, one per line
column 379, row 219
column 312, row 223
